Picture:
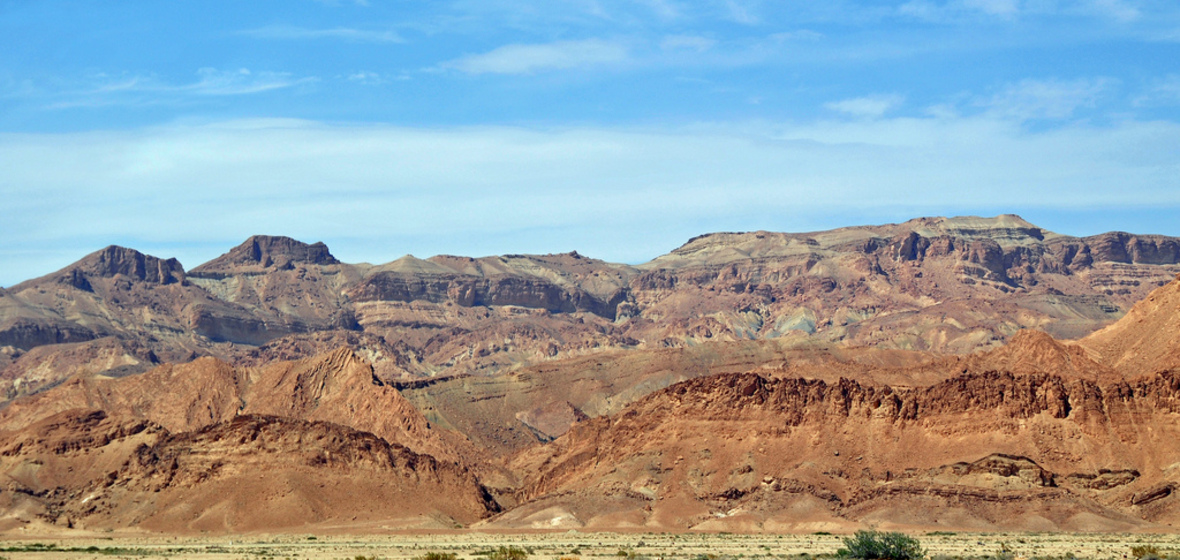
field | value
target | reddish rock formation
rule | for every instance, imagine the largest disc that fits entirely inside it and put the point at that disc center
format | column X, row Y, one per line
column 87, row 469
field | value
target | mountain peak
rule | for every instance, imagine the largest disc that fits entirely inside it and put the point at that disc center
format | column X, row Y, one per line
column 262, row 252
column 114, row 260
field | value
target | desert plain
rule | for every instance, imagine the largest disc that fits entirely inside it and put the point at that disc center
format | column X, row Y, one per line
column 475, row 545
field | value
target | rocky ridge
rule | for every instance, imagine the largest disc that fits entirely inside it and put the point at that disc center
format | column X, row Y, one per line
column 1040, row 443
column 932, row 284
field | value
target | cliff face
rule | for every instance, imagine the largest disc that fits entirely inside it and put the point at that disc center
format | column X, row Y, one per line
column 942, row 284
column 474, row 291
column 742, row 450
column 262, row 252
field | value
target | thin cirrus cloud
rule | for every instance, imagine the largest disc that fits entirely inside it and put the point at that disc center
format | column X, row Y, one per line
column 104, row 90
column 432, row 190
column 286, row 32
column 871, row 106
column 1048, row 99
column 240, row 82
column 966, row 10
column 1163, row 92
column 533, row 58
column 687, row 42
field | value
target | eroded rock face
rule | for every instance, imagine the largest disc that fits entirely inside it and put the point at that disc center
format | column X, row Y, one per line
column 475, row 291
column 115, row 260
column 26, row 333
column 262, row 252
column 947, row 285
column 996, row 446
column 96, row 470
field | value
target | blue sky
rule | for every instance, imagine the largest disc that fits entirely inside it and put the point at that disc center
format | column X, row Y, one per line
column 619, row 129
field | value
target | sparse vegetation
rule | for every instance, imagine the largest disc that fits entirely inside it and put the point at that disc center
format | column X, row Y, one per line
column 1144, row 550
column 1150, row 552
column 438, row 556
column 505, row 553
column 874, row 545
column 105, row 551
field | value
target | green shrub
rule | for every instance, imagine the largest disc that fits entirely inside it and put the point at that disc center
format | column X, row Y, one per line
column 438, row 556
column 874, row 545
column 508, row 553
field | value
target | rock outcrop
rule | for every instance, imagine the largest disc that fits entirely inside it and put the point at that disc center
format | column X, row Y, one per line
column 262, row 252
column 738, row 450
column 87, row 469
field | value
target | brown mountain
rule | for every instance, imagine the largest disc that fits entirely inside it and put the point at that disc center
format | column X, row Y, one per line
column 526, row 322
column 335, row 387
column 1034, row 435
column 940, row 284
column 1050, row 440
column 86, row 469
column 1144, row 342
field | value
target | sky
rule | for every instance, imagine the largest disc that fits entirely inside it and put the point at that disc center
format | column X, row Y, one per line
column 619, row 129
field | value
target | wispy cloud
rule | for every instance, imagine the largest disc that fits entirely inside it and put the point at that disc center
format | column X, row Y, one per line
column 687, row 42
column 664, row 9
column 947, row 11
column 742, row 12
column 994, row 7
column 527, row 59
column 1164, row 91
column 240, row 82
column 1117, row 9
column 103, row 90
column 872, row 106
column 588, row 188
column 1047, row 99
column 798, row 35
column 373, row 78
column 286, row 32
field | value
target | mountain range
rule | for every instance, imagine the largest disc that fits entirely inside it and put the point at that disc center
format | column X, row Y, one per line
column 960, row 373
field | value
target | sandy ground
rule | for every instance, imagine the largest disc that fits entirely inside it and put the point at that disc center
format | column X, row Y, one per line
column 569, row 545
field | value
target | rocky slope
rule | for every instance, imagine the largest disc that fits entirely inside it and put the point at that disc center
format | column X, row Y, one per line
column 1144, row 342
column 87, row 469
column 1036, row 435
column 771, row 435
column 982, row 451
column 334, row 387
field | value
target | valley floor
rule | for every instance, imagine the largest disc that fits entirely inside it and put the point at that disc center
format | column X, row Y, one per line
column 577, row 545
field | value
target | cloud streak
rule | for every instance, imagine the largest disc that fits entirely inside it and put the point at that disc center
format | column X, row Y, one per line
column 376, row 192
column 104, row 90
column 873, row 106
column 1048, row 99
column 284, row 32
column 529, row 59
